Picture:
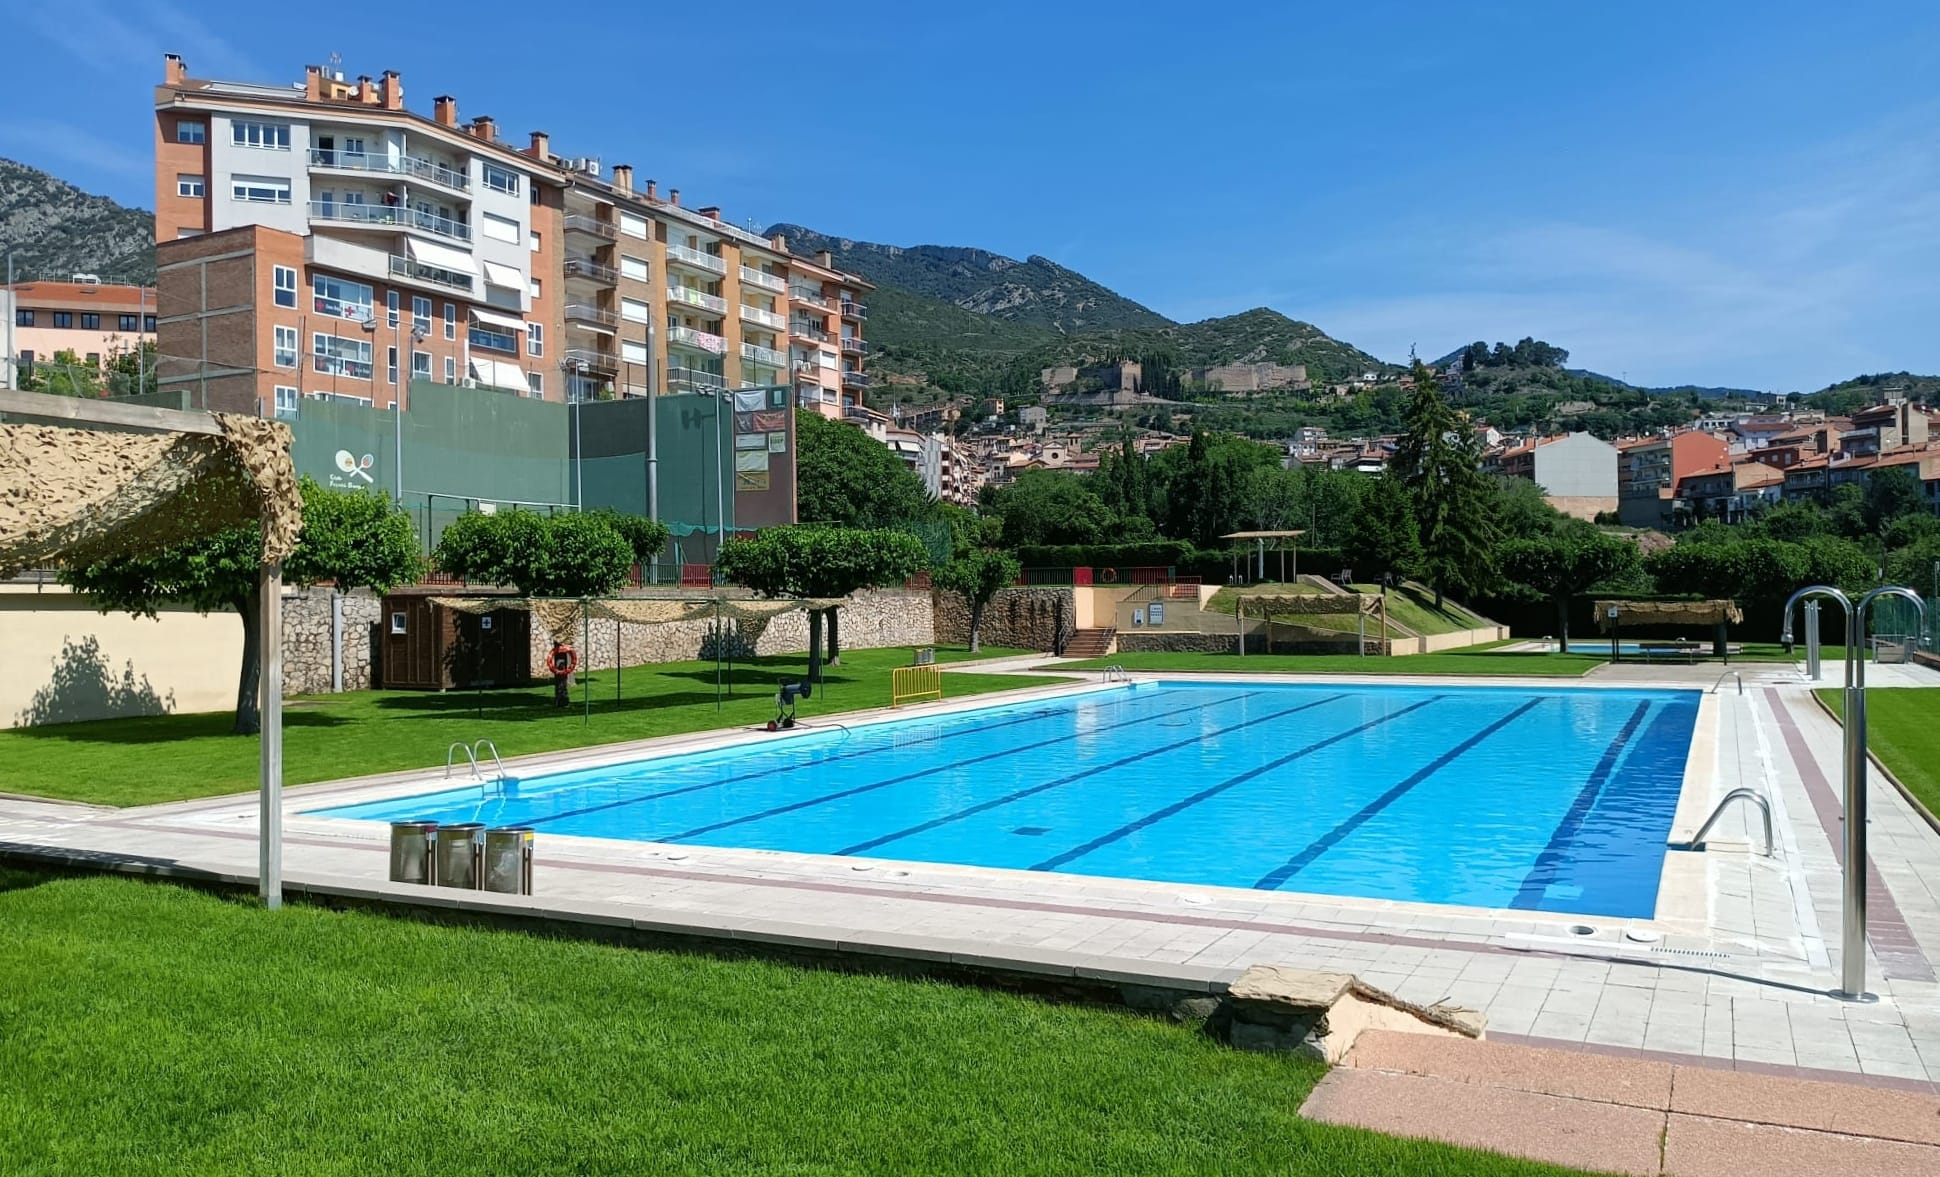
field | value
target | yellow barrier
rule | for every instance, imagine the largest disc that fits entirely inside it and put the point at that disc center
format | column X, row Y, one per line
column 907, row 683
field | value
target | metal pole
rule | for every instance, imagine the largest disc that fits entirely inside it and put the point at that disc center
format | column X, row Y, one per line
column 720, row 469
column 1812, row 662
column 336, row 640
column 269, row 800
column 579, row 461
column 586, row 638
column 1239, row 617
column 653, row 434
column 13, row 367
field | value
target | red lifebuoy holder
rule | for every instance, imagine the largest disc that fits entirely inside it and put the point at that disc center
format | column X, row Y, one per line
column 564, row 661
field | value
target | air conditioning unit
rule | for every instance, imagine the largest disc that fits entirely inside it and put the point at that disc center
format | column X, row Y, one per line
column 88, row 279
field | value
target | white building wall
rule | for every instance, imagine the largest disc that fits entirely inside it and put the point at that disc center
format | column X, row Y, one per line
column 1578, row 466
column 227, row 161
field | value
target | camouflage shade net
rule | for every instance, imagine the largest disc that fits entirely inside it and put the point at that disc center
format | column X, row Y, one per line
column 78, row 496
column 561, row 619
column 1667, row 613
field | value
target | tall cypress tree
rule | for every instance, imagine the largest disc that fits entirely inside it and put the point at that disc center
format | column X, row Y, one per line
column 1439, row 461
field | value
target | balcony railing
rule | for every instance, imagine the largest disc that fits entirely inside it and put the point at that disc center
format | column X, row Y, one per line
column 801, row 330
column 854, row 380
column 851, row 345
column 586, row 267
column 581, row 223
column 684, row 379
column 389, row 216
column 811, row 297
column 854, row 310
column 697, row 259
column 365, row 161
column 703, row 340
column 813, row 372
column 697, row 298
column 767, row 319
column 763, row 279
column 593, row 359
column 582, row 313
column 404, row 267
column 765, row 356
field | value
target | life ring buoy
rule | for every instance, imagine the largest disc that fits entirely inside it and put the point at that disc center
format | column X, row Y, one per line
column 1109, row 576
column 564, row 661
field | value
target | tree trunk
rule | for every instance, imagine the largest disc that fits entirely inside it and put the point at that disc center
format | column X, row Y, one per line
column 1563, row 624
column 835, row 638
column 249, row 714
column 976, row 620
column 815, row 645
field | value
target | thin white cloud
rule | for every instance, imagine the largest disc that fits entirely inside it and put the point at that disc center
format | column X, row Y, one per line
column 30, row 140
column 116, row 40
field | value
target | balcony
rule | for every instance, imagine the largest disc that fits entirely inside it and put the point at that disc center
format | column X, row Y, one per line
column 697, row 298
column 768, row 319
column 854, row 380
column 700, row 340
column 851, row 346
column 812, row 372
column 364, row 161
column 806, row 330
column 805, row 294
column 854, row 310
column 581, row 223
column 684, row 379
column 579, row 312
column 586, row 267
column 589, row 359
column 763, row 279
column 416, row 271
column 695, row 259
column 767, row 357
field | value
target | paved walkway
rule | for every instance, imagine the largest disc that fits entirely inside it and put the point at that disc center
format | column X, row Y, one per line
column 1624, row 1114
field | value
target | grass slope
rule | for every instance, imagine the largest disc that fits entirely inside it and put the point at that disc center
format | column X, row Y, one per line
column 151, row 759
column 1474, row 660
column 1903, row 730
column 153, row 1029
column 1409, row 605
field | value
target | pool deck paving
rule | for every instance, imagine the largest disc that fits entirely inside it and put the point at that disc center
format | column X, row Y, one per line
column 1730, row 981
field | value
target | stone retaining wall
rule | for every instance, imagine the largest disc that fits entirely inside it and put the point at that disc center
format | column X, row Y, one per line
column 306, row 641
column 1022, row 618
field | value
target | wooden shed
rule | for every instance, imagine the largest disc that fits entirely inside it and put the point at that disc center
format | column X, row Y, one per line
column 425, row 646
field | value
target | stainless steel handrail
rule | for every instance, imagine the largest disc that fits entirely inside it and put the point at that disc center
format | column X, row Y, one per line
column 1739, row 794
column 1728, row 674
column 459, row 745
column 493, row 749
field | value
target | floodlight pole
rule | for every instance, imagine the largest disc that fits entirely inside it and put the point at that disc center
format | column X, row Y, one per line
column 269, row 679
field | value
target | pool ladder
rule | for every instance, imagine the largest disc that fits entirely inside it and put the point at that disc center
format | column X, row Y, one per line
column 1739, row 794
column 1728, row 674
column 471, row 757
column 1114, row 673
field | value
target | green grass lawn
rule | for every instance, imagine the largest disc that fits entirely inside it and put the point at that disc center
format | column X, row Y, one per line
column 1483, row 659
column 1408, row 605
column 151, row 759
column 155, row 1029
column 1903, row 730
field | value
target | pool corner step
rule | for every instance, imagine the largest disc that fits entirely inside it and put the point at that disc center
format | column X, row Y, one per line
column 1319, row 1014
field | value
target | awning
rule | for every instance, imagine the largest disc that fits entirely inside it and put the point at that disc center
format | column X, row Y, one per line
column 442, row 257
column 500, row 274
column 505, row 323
column 500, row 374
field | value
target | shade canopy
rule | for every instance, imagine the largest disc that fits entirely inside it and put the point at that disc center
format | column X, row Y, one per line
column 1263, row 534
column 1609, row 613
column 562, row 618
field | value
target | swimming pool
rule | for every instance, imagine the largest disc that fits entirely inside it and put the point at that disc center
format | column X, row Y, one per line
column 1553, row 800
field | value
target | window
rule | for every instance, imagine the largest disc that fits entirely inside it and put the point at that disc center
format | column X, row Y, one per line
column 534, row 288
column 420, row 365
column 260, row 189
column 286, row 402
column 128, row 322
column 499, row 228
column 484, row 335
column 90, row 320
column 284, row 280
column 633, row 267
column 534, row 240
column 342, row 398
column 633, row 226
column 535, row 339
column 148, row 323
column 339, row 355
column 191, row 131
column 390, row 364
column 94, row 359
column 451, row 370
column 341, row 297
column 183, row 233
column 633, row 353
column 537, row 383
column 63, row 318
column 390, row 308
column 23, row 318
column 421, row 316
column 274, row 136
column 500, row 179
column 451, row 321
column 633, row 310
column 190, row 186
column 286, row 344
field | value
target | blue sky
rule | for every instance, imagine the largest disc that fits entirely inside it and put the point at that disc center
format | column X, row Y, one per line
column 1716, row 192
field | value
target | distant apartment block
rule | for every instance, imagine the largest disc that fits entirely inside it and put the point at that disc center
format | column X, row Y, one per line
column 1251, row 377
column 1649, row 471
column 1731, row 493
column 324, row 241
column 93, row 320
column 1577, row 471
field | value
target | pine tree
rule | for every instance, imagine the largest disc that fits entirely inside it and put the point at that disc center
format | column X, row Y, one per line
column 1439, row 461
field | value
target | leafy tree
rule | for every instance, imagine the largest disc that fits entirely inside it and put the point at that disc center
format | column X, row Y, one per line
column 977, row 576
column 1438, row 460
column 1792, row 522
column 645, row 536
column 1522, row 512
column 1745, row 570
column 1569, row 561
column 1384, row 538
column 356, row 539
column 1049, row 507
column 811, row 561
column 64, row 375
column 1846, row 511
column 847, row 478
column 571, row 555
column 1891, row 492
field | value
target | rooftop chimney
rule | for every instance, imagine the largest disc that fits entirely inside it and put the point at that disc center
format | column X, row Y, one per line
column 623, row 178
column 779, row 242
column 390, row 91
column 366, row 91
column 485, row 128
column 313, row 83
column 650, row 195
column 826, row 258
column 541, row 148
column 444, row 110
column 673, row 197
column 712, row 211
column 174, row 71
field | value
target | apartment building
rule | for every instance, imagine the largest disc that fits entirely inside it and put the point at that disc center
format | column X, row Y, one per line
column 92, row 320
column 1578, row 472
column 826, row 313
column 1650, row 469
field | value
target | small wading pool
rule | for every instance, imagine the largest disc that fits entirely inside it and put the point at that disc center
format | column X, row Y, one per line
column 1552, row 800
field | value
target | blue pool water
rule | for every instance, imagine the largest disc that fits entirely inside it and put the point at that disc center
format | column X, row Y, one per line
column 1557, row 800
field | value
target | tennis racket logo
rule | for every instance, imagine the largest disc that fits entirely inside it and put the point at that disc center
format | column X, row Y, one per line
column 354, row 466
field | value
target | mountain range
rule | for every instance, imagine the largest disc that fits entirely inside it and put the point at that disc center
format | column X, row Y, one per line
column 54, row 230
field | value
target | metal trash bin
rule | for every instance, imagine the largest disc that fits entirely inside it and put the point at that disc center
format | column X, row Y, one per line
column 413, row 843
column 508, row 860
column 457, row 854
